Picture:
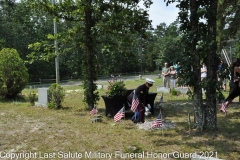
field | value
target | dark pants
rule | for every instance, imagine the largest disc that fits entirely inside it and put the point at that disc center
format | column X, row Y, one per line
column 234, row 90
column 139, row 116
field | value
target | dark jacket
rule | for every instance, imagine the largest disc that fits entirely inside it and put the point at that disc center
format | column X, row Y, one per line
column 142, row 92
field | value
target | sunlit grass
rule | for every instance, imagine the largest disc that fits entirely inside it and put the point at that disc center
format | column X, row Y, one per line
column 36, row 129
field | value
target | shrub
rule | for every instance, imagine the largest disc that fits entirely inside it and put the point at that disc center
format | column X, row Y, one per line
column 56, row 96
column 13, row 73
column 31, row 97
column 116, row 88
column 174, row 92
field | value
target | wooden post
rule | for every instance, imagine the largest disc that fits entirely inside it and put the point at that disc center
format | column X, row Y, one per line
column 162, row 120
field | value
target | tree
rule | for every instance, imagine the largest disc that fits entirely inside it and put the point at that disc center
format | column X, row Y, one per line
column 21, row 26
column 13, row 73
column 210, row 118
column 166, row 45
column 96, row 18
column 199, row 42
column 227, row 21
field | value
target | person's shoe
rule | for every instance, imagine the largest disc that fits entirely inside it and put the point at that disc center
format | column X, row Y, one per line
column 223, row 108
column 134, row 121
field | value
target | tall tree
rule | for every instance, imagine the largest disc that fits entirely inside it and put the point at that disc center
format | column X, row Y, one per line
column 199, row 41
column 194, row 33
column 227, row 21
column 212, row 61
column 95, row 18
column 166, row 45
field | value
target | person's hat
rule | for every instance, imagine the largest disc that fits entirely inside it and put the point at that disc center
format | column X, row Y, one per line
column 149, row 81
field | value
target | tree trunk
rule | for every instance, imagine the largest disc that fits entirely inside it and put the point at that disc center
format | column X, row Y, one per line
column 212, row 63
column 197, row 95
column 89, row 71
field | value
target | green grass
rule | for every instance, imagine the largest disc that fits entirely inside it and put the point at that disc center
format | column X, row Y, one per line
column 26, row 128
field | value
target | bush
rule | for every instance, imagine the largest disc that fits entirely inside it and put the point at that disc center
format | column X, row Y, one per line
column 13, row 73
column 174, row 92
column 31, row 97
column 56, row 96
column 116, row 88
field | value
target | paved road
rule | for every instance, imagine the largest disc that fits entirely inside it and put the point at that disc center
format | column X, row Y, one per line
column 102, row 80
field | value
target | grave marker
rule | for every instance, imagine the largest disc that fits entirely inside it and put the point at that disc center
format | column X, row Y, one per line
column 43, row 97
column 163, row 89
column 183, row 90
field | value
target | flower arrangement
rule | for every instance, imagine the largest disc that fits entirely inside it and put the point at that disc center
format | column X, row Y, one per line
column 116, row 87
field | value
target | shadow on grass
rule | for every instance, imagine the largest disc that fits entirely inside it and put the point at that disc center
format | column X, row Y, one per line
column 79, row 114
column 224, row 141
column 66, row 108
column 19, row 98
column 102, row 111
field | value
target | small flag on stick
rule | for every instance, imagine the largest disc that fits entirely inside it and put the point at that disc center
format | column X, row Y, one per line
column 135, row 102
column 158, row 122
column 161, row 100
column 119, row 115
column 94, row 111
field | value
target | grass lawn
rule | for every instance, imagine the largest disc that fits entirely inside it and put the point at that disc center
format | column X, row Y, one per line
column 41, row 133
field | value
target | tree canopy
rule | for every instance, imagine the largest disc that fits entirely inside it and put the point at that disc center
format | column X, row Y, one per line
column 94, row 36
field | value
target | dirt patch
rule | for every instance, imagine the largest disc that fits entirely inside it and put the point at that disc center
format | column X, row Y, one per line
column 148, row 125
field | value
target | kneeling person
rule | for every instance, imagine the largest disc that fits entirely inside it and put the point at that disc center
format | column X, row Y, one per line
column 141, row 93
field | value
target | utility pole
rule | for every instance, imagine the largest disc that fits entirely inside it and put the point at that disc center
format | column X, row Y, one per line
column 56, row 49
column 141, row 55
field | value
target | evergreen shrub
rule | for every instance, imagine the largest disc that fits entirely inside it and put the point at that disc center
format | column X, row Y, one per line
column 31, row 97
column 56, row 96
column 13, row 73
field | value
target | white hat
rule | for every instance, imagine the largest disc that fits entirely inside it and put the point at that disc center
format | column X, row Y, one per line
column 149, row 81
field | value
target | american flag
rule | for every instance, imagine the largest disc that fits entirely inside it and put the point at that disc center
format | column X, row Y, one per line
column 119, row 115
column 94, row 111
column 223, row 108
column 158, row 122
column 135, row 102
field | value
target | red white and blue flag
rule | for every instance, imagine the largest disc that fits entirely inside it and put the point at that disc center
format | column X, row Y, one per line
column 135, row 102
column 94, row 111
column 119, row 115
column 157, row 122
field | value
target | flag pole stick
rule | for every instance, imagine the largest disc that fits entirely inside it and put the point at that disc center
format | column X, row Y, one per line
column 189, row 122
column 162, row 119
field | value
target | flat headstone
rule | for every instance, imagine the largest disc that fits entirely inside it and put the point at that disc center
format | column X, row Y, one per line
column 69, row 91
column 163, row 89
column 105, row 87
column 99, row 86
column 97, row 116
column 183, row 90
column 94, row 120
column 42, row 97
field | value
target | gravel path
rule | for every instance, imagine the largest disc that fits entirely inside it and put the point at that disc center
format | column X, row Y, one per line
column 147, row 125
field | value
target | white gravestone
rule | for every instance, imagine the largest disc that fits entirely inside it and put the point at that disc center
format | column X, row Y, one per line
column 163, row 89
column 183, row 90
column 99, row 86
column 43, row 97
